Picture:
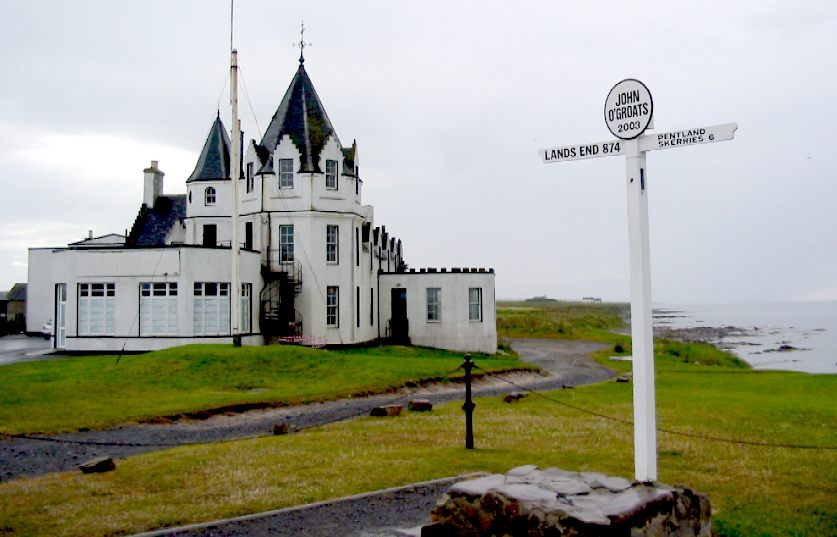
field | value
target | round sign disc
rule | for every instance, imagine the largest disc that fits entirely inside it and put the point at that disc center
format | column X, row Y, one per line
column 628, row 109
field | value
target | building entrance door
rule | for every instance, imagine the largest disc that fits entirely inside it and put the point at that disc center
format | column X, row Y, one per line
column 399, row 328
column 60, row 328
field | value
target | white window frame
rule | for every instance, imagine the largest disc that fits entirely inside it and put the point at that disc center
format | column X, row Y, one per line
column 434, row 304
column 96, row 309
column 209, row 196
column 286, row 172
column 286, row 243
column 158, row 309
column 246, row 308
column 332, row 244
column 211, row 308
column 475, row 304
column 333, row 306
column 331, row 175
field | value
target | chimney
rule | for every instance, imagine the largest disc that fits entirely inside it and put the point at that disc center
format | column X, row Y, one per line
column 153, row 184
column 89, row 233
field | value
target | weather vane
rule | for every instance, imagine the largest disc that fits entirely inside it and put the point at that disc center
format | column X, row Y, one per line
column 302, row 44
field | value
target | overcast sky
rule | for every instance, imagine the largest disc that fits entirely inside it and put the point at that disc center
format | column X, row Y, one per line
column 449, row 103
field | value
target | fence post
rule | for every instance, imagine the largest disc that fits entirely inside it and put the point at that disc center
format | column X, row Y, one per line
column 469, row 405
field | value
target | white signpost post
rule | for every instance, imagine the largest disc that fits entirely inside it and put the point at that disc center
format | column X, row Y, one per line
column 628, row 112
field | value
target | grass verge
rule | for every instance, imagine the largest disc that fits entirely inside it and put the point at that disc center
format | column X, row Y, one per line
column 97, row 391
column 755, row 490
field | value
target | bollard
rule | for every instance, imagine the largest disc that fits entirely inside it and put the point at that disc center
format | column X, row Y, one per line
column 469, row 405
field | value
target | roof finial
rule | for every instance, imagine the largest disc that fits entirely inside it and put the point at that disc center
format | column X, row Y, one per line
column 302, row 44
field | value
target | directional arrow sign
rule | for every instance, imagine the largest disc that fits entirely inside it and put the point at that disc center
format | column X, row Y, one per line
column 699, row 135
column 582, row 151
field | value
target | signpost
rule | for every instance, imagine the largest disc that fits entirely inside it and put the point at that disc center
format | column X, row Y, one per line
column 628, row 113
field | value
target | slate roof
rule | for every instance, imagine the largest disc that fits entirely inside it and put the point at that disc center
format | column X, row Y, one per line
column 214, row 162
column 302, row 116
column 153, row 225
column 17, row 292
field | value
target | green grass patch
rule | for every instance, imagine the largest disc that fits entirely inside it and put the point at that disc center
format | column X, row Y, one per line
column 559, row 320
column 97, row 392
column 754, row 490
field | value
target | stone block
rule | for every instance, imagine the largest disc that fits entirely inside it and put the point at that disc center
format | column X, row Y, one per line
column 420, row 405
column 386, row 410
column 284, row 428
column 513, row 396
column 98, row 465
column 532, row 502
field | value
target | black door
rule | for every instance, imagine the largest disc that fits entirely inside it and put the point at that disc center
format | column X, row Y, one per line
column 210, row 235
column 398, row 324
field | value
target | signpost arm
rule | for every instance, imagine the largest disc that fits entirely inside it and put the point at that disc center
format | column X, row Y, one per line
column 645, row 421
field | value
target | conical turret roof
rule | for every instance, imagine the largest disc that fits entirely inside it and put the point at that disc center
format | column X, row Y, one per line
column 302, row 116
column 214, row 162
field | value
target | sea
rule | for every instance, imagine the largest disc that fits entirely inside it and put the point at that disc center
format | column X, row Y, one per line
column 792, row 336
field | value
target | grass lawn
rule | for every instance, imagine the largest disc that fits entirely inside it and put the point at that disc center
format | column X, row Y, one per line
column 97, row 392
column 755, row 491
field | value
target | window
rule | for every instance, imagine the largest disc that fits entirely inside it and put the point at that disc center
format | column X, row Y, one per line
column 286, row 173
column 371, row 306
column 209, row 196
column 211, row 309
column 158, row 309
column 250, row 179
column 331, row 174
column 248, row 235
column 357, row 307
column 434, row 304
column 332, row 251
column 96, row 309
column 475, row 304
column 357, row 247
column 286, row 244
column 332, row 305
column 246, row 314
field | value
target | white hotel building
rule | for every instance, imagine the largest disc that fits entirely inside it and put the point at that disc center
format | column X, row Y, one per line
column 314, row 267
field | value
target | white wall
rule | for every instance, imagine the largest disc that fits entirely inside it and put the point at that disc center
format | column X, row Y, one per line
column 454, row 331
column 127, row 268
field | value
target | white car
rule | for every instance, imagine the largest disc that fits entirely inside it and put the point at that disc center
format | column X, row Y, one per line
column 46, row 331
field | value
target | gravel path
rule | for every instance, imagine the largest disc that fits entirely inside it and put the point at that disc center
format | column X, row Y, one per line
column 566, row 361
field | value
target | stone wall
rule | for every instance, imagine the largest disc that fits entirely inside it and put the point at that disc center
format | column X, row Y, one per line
column 530, row 502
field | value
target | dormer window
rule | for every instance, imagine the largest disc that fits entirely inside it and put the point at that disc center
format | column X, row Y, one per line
column 209, row 196
column 286, row 173
column 331, row 174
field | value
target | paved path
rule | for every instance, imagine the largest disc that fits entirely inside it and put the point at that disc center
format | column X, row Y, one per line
column 565, row 360
column 20, row 348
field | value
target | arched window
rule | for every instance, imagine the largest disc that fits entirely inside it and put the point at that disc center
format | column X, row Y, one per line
column 209, row 196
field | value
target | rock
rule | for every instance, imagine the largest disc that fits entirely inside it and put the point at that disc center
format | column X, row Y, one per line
column 623, row 378
column 284, row 428
column 386, row 410
column 420, row 405
column 513, row 396
column 536, row 503
column 98, row 465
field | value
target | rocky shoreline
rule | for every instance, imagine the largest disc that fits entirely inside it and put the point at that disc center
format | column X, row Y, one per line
column 720, row 337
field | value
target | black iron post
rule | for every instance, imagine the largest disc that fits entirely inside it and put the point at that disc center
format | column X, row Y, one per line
column 469, row 405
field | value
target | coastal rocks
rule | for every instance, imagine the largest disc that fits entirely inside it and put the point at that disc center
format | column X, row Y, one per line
column 702, row 334
column 532, row 502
